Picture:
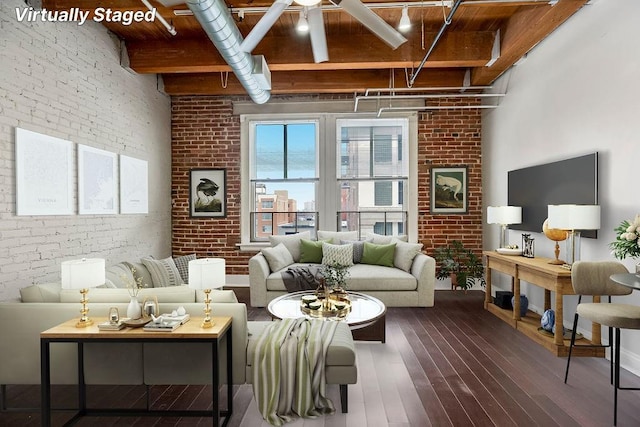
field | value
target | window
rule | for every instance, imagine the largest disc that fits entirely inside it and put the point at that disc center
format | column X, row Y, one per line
column 326, row 172
column 284, row 174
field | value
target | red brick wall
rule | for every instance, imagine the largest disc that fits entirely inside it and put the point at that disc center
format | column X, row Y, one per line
column 205, row 134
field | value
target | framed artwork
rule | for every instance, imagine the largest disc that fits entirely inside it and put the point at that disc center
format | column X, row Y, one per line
column 97, row 181
column 134, row 186
column 44, row 174
column 208, row 193
column 449, row 190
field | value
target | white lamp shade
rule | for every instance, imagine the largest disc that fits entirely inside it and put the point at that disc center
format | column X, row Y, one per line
column 207, row 273
column 574, row 217
column 504, row 215
column 83, row 273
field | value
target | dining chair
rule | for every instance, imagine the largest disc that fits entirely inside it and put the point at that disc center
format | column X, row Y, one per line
column 593, row 278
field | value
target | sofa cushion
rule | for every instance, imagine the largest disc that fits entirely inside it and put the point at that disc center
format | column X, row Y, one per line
column 278, row 257
column 182, row 264
column 44, row 292
column 362, row 278
column 291, row 242
column 380, row 239
column 311, row 251
column 163, row 272
column 336, row 236
column 337, row 255
column 378, row 254
column 177, row 294
column 120, row 275
column 405, row 253
column 341, row 351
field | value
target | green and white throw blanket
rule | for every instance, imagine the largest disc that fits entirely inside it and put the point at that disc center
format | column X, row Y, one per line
column 288, row 370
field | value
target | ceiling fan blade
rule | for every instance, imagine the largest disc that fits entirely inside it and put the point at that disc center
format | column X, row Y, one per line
column 317, row 35
column 264, row 24
column 373, row 22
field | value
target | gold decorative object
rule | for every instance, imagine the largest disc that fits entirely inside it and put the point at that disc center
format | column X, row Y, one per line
column 556, row 235
column 207, row 323
column 83, row 274
column 331, row 305
column 205, row 274
column 84, row 319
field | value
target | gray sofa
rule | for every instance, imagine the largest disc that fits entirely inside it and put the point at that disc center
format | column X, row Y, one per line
column 410, row 286
column 137, row 363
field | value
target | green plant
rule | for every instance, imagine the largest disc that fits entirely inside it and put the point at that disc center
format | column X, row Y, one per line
column 336, row 275
column 464, row 263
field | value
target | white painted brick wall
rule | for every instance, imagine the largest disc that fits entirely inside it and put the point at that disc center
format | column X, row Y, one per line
column 66, row 81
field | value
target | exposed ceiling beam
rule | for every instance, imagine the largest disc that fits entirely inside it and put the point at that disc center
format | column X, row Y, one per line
column 522, row 32
column 289, row 82
column 468, row 49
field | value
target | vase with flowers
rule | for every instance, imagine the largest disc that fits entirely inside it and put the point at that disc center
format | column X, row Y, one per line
column 134, row 309
column 627, row 243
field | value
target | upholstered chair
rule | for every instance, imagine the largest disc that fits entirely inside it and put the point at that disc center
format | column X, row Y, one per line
column 593, row 278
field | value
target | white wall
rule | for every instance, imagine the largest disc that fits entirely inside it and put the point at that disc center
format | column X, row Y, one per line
column 65, row 80
column 576, row 92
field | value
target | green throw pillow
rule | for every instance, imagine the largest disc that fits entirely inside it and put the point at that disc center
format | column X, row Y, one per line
column 378, row 254
column 311, row 250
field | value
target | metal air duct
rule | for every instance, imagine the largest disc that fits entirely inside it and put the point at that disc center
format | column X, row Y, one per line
column 217, row 22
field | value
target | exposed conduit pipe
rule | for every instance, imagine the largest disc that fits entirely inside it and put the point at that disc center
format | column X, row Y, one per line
column 445, row 24
column 217, row 22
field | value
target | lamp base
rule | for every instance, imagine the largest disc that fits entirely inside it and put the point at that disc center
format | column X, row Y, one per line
column 84, row 322
column 556, row 262
column 206, row 323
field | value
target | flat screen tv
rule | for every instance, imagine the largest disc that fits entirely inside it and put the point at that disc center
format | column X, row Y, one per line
column 570, row 181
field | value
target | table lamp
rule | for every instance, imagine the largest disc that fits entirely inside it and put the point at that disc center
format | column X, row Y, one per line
column 83, row 274
column 504, row 215
column 574, row 218
column 207, row 274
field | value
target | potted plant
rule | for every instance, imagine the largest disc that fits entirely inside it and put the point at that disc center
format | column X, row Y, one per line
column 462, row 265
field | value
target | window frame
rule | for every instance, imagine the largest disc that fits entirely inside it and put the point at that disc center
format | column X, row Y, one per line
column 328, row 167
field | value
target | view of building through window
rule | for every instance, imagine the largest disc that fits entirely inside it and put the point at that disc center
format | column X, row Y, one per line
column 369, row 174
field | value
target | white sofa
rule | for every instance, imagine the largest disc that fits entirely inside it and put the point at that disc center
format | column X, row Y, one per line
column 137, row 363
column 413, row 286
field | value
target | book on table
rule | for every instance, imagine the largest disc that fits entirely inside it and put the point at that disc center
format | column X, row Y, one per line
column 110, row 326
column 164, row 325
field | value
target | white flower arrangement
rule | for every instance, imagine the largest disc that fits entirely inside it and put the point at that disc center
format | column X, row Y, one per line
column 627, row 243
column 133, row 286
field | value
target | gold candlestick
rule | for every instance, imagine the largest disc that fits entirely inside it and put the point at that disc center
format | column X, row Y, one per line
column 207, row 322
column 84, row 319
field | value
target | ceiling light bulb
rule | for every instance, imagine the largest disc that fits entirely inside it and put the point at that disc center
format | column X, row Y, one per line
column 307, row 2
column 303, row 24
column 405, row 23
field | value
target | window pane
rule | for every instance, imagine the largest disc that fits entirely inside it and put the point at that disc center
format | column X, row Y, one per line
column 369, row 151
column 269, row 151
column 355, row 152
column 301, row 150
column 383, row 193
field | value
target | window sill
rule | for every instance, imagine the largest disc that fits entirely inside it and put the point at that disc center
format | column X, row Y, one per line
column 252, row 246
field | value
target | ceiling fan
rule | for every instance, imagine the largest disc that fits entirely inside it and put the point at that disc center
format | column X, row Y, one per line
column 355, row 8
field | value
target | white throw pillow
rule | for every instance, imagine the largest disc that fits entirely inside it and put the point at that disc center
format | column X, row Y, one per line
column 405, row 253
column 291, row 242
column 336, row 236
column 278, row 257
column 337, row 254
column 163, row 272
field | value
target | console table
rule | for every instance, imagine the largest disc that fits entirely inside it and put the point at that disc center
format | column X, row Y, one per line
column 189, row 332
column 552, row 278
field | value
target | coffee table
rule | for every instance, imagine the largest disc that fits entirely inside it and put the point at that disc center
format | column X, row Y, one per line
column 366, row 319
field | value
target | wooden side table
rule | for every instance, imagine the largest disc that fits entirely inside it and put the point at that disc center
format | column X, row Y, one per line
column 552, row 278
column 189, row 332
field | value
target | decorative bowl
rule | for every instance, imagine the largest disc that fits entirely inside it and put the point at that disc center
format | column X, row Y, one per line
column 308, row 299
column 314, row 305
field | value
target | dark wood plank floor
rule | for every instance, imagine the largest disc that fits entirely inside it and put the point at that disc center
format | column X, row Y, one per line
column 451, row 365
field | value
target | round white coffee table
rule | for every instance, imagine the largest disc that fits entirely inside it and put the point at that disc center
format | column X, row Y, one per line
column 366, row 312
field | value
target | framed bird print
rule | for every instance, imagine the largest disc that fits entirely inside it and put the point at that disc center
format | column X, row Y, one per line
column 208, row 193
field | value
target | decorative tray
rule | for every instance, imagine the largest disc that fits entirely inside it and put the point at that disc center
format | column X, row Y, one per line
column 337, row 306
column 136, row 323
column 508, row 251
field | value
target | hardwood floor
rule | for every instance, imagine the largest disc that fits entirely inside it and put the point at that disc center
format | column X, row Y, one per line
column 451, row 365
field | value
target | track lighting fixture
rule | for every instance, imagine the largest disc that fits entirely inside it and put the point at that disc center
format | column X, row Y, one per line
column 405, row 23
column 303, row 24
